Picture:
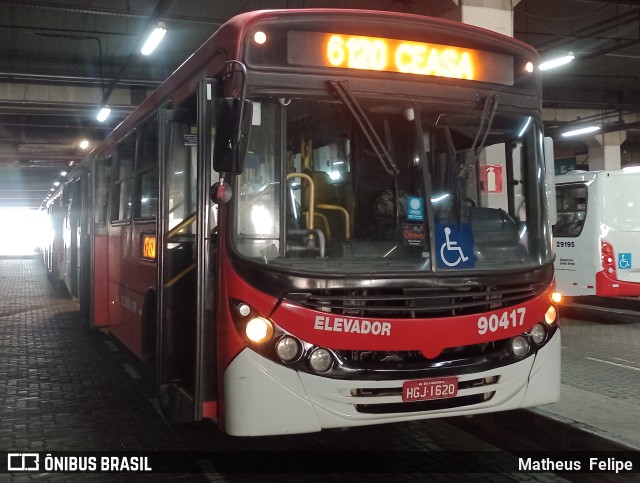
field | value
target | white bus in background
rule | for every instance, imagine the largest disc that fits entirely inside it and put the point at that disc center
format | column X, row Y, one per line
column 597, row 233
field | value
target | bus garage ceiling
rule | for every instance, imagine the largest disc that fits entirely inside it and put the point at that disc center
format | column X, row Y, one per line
column 59, row 59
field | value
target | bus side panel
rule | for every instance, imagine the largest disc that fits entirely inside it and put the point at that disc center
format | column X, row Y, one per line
column 139, row 276
column 578, row 258
column 115, row 261
column 621, row 225
column 100, row 282
column 130, row 277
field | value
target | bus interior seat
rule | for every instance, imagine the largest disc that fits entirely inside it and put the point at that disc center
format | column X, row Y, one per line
column 496, row 236
column 492, row 225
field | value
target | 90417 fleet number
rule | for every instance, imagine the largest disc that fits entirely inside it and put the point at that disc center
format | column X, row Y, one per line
column 511, row 318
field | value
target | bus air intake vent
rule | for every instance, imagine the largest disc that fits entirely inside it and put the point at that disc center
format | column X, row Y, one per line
column 432, row 405
column 407, row 303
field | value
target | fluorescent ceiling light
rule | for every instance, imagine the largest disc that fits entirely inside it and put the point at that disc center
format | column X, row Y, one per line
column 103, row 114
column 154, row 39
column 557, row 62
column 524, row 128
column 440, row 198
column 582, row 130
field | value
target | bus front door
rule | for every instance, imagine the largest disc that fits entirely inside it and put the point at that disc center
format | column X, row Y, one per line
column 177, row 266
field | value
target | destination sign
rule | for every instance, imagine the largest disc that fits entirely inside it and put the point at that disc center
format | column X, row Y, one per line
column 381, row 54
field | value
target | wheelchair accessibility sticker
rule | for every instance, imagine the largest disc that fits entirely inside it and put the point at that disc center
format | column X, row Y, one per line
column 454, row 246
column 624, row 261
column 415, row 208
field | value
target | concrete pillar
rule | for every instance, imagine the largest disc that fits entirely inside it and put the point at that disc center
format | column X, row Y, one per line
column 496, row 15
column 604, row 150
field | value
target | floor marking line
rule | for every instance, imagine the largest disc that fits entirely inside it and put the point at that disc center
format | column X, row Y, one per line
column 625, row 360
column 613, row 363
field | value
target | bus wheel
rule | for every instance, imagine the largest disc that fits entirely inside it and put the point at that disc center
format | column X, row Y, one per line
column 175, row 404
column 167, row 401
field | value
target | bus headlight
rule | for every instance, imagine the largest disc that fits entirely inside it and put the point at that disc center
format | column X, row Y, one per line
column 538, row 333
column 259, row 329
column 519, row 346
column 551, row 315
column 320, row 360
column 288, row 348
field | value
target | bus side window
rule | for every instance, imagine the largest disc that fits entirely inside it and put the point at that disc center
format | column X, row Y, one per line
column 122, row 195
column 571, row 203
column 146, row 205
column 103, row 178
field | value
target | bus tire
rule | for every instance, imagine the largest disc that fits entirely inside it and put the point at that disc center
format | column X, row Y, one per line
column 175, row 404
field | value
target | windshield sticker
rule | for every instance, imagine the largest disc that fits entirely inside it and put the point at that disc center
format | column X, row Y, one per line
column 415, row 208
column 413, row 235
column 455, row 246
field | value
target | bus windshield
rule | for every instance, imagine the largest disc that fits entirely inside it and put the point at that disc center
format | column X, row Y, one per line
column 391, row 188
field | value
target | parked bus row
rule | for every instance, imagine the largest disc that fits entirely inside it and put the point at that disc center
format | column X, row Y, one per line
column 326, row 218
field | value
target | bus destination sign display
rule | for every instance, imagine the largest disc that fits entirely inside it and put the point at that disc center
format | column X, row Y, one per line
column 402, row 56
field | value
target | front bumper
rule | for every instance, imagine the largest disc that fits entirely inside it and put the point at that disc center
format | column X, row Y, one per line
column 266, row 398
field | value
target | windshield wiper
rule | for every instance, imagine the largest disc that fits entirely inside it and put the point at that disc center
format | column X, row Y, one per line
column 452, row 176
column 454, row 172
column 351, row 103
column 486, row 120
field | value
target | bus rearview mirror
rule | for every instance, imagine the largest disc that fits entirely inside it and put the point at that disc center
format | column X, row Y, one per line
column 232, row 135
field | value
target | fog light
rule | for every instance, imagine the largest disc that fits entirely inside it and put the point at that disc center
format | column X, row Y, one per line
column 288, row 348
column 320, row 360
column 258, row 329
column 550, row 316
column 519, row 346
column 538, row 333
column 243, row 309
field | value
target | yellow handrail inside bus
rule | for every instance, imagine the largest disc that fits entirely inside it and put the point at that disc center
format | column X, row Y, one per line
column 324, row 206
column 327, row 228
column 187, row 221
column 311, row 195
column 182, row 274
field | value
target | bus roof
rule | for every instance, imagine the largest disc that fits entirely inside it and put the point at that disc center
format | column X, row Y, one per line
column 581, row 175
column 205, row 61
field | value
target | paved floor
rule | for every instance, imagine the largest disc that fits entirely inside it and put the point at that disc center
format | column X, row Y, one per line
column 65, row 390
column 601, row 378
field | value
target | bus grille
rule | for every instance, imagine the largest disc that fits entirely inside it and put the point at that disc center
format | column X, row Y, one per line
column 433, row 405
column 410, row 303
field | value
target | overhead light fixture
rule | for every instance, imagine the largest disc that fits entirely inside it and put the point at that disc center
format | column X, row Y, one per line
column 63, row 173
column 582, row 130
column 84, row 144
column 103, row 114
column 154, row 39
column 557, row 62
column 524, row 127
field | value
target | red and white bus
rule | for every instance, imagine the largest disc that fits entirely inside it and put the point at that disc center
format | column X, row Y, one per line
column 597, row 235
column 331, row 218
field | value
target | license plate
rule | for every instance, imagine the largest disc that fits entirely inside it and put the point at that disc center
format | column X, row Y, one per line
column 425, row 389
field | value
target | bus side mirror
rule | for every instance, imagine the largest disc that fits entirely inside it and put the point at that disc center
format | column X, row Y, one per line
column 232, row 135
